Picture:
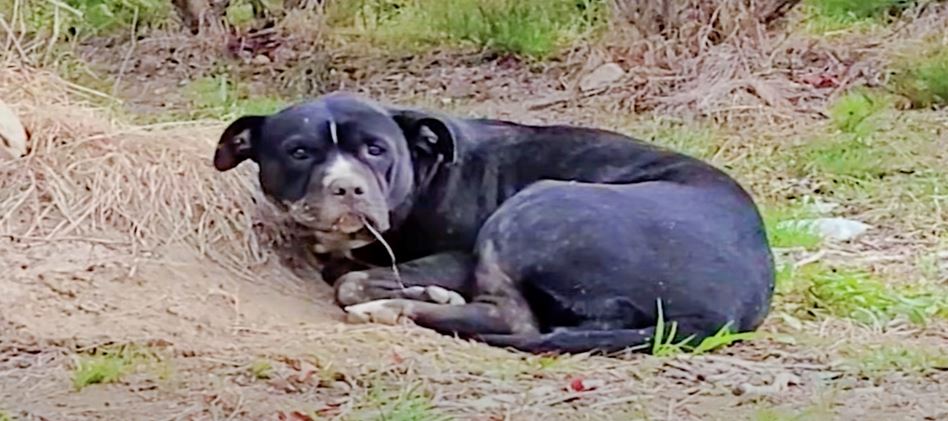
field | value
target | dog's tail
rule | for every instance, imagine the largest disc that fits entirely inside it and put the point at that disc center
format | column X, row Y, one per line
column 575, row 341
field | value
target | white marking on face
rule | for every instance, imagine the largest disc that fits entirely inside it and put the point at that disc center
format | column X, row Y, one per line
column 332, row 132
column 340, row 168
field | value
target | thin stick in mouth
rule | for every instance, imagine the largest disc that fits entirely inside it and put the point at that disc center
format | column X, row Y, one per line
column 391, row 254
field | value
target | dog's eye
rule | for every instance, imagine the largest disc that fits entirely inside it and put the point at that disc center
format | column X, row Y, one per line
column 375, row 150
column 299, row 153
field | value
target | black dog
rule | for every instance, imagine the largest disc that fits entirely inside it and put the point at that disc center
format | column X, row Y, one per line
column 557, row 238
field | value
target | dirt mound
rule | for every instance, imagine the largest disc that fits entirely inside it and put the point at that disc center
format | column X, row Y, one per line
column 120, row 234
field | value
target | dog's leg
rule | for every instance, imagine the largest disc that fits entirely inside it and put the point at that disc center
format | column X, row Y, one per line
column 580, row 339
column 574, row 340
column 464, row 320
column 499, row 307
column 441, row 278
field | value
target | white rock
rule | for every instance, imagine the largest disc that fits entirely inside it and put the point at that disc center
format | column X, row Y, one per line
column 603, row 76
column 12, row 132
column 839, row 229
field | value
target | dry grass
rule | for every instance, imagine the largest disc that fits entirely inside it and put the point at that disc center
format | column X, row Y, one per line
column 742, row 58
column 141, row 186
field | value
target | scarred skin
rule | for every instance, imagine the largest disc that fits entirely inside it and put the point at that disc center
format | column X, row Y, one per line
column 558, row 238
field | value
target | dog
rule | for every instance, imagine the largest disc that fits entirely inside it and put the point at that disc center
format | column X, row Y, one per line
column 543, row 239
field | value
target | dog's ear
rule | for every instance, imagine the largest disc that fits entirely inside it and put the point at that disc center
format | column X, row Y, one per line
column 427, row 135
column 236, row 143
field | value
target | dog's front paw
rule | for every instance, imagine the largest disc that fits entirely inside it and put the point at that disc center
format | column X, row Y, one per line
column 351, row 288
column 433, row 294
column 387, row 312
column 444, row 296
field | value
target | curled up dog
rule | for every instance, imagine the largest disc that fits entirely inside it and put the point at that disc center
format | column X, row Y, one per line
column 538, row 238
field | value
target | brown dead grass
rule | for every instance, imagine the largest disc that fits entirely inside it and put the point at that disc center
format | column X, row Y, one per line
column 737, row 61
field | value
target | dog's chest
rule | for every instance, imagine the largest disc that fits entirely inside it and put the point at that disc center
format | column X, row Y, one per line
column 431, row 230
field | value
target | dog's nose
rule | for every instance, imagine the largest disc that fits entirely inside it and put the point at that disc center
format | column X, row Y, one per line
column 347, row 187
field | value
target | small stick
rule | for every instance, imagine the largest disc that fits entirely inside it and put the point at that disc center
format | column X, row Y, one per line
column 391, row 254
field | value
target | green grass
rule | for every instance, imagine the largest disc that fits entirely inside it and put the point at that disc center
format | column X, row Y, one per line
column 5, row 417
column 814, row 413
column 80, row 18
column 856, row 112
column 100, row 368
column 664, row 343
column 782, row 235
column 403, row 404
column 108, row 365
column 831, row 15
column 923, row 79
column 220, row 97
column 875, row 361
column 818, row 291
column 845, row 159
column 261, row 369
column 529, row 28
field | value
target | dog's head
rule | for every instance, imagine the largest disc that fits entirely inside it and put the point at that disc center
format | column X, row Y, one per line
column 339, row 162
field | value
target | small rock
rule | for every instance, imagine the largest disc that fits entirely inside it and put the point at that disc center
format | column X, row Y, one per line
column 261, row 60
column 149, row 64
column 839, row 229
column 603, row 76
column 579, row 384
column 283, row 385
column 13, row 135
column 343, row 386
column 781, row 383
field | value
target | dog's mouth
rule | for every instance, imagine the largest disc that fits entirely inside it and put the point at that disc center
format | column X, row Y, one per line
column 353, row 224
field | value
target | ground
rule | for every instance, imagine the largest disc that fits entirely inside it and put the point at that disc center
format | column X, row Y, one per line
column 137, row 289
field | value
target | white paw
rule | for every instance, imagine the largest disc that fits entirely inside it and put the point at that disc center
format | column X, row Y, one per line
column 444, row 296
column 387, row 312
column 414, row 291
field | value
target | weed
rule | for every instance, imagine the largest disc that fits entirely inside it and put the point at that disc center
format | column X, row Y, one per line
column 855, row 294
column 807, row 414
column 783, row 235
column 99, row 368
column 239, row 13
column 830, row 15
column 221, row 97
column 529, row 28
column 845, row 159
column 405, row 404
column 923, row 79
column 108, row 365
column 878, row 360
column 664, row 344
column 261, row 369
column 5, row 417
column 80, row 18
column 853, row 112
column 243, row 13
column 95, row 369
